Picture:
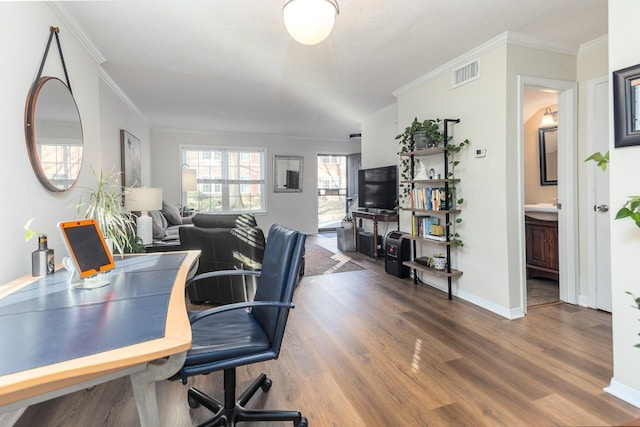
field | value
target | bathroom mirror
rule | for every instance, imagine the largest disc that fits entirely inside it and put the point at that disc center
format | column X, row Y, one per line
column 548, row 143
column 287, row 174
column 53, row 133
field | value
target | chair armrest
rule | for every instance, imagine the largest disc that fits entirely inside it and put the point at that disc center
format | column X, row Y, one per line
column 238, row 306
column 220, row 273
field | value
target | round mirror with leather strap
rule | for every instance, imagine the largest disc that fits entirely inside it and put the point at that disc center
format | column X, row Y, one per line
column 53, row 132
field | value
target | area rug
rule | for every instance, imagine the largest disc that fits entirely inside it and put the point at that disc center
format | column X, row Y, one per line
column 318, row 261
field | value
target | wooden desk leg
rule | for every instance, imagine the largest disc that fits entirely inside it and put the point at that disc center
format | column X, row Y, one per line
column 144, row 386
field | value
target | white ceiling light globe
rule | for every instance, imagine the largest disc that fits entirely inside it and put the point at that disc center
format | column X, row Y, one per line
column 309, row 21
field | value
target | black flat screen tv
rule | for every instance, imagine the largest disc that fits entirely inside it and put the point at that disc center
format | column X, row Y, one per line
column 378, row 188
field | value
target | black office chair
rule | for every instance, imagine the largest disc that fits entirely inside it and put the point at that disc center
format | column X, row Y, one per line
column 242, row 333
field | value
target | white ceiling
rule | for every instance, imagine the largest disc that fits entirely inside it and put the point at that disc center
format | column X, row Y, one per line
column 230, row 65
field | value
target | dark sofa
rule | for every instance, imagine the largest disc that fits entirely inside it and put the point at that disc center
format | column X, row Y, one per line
column 226, row 242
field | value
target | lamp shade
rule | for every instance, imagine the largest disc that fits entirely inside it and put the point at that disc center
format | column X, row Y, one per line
column 189, row 180
column 309, row 21
column 143, row 199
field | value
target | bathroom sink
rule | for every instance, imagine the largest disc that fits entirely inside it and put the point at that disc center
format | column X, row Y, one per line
column 542, row 211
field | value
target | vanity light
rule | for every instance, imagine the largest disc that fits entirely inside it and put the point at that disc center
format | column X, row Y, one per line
column 549, row 117
column 310, row 21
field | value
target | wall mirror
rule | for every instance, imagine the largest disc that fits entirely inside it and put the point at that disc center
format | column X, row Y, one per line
column 287, row 174
column 53, row 134
column 548, row 142
column 626, row 106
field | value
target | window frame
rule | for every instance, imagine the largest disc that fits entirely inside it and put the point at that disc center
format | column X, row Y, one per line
column 220, row 156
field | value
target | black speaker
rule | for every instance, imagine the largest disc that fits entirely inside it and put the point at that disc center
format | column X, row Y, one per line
column 396, row 251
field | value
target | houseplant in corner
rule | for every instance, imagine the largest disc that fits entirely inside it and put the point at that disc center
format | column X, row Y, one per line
column 347, row 221
column 104, row 204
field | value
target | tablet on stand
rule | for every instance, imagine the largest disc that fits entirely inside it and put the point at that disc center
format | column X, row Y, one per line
column 90, row 258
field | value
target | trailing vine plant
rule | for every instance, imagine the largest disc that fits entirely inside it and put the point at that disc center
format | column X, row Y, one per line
column 405, row 140
column 452, row 150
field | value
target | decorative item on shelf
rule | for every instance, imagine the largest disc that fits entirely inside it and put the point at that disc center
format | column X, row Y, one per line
column 104, row 204
column 310, row 21
column 439, row 261
column 425, row 260
column 144, row 199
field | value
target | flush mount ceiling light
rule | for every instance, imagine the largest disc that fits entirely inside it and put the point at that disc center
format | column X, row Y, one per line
column 310, row 21
column 549, row 117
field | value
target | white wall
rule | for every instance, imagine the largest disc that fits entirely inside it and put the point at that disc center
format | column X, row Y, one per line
column 24, row 28
column 625, row 236
column 487, row 108
column 379, row 131
column 294, row 210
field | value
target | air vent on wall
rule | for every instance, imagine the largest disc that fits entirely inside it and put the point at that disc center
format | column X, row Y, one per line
column 465, row 74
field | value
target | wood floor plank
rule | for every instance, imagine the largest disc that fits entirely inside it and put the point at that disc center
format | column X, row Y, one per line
column 365, row 348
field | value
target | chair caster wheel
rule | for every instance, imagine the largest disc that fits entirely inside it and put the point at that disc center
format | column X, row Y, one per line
column 302, row 423
column 193, row 403
column 266, row 385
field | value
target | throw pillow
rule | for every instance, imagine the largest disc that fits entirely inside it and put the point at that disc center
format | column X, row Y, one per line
column 172, row 213
column 157, row 227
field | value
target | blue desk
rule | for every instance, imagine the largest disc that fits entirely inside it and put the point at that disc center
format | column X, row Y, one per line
column 56, row 339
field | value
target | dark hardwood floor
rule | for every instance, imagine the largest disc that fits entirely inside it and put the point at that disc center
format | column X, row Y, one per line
column 364, row 348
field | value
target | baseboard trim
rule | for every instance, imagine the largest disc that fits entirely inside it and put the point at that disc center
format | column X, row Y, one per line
column 514, row 313
column 10, row 418
column 624, row 392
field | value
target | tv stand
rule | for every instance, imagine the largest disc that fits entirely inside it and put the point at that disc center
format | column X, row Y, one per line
column 375, row 217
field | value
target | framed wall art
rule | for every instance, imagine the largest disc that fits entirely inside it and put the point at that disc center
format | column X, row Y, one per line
column 626, row 102
column 131, row 160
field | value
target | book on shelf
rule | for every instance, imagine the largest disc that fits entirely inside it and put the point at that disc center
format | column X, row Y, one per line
column 432, row 199
column 421, row 224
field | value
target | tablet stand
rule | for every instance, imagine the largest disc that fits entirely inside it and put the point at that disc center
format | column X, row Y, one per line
column 92, row 282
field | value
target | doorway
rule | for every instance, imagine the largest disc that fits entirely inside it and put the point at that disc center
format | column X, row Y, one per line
column 540, row 196
column 332, row 191
column 566, row 188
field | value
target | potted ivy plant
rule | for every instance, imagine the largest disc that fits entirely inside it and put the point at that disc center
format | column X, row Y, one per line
column 421, row 134
column 104, row 204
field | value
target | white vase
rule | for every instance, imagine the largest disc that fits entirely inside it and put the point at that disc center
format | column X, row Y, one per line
column 439, row 263
column 347, row 225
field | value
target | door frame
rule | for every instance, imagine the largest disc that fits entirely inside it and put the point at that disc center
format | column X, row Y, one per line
column 592, row 175
column 567, row 186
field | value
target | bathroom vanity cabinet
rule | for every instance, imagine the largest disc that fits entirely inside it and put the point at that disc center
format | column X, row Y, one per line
column 542, row 248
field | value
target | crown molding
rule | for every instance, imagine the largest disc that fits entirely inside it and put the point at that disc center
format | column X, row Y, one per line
column 77, row 31
column 500, row 40
column 116, row 89
column 594, row 44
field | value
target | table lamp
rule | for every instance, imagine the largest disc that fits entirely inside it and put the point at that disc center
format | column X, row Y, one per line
column 144, row 199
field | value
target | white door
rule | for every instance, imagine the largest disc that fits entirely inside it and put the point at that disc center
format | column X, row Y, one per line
column 599, row 119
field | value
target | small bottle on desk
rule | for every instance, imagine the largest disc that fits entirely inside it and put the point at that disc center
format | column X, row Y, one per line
column 42, row 260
